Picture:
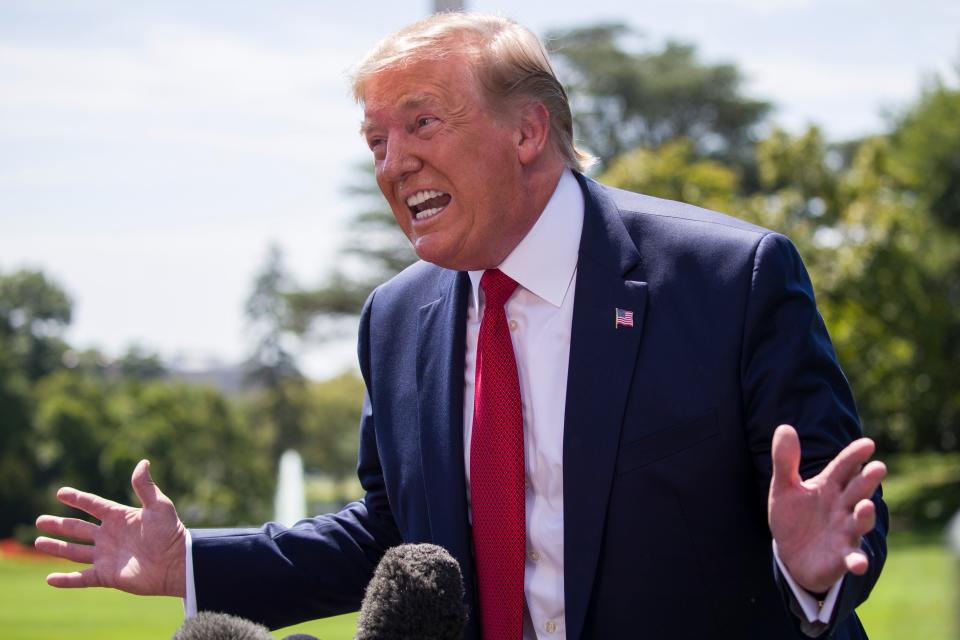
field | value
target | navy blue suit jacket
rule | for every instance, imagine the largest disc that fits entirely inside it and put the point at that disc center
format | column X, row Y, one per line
column 666, row 438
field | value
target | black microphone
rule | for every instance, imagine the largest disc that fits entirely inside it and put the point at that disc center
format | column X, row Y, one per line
column 208, row 625
column 416, row 593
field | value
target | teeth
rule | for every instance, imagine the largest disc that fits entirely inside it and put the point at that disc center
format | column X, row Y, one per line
column 426, row 213
column 422, row 196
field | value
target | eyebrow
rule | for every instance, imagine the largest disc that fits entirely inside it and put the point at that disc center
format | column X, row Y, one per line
column 404, row 103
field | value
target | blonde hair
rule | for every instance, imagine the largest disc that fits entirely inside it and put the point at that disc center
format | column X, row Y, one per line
column 507, row 59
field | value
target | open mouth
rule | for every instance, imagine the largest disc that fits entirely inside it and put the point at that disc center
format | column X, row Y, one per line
column 428, row 203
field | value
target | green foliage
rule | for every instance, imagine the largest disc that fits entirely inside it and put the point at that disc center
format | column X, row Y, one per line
column 330, row 427
column 328, row 415
column 625, row 99
column 33, row 314
column 927, row 140
column 34, row 311
column 922, row 491
column 73, row 425
column 885, row 268
column 141, row 364
column 200, row 449
column 19, row 498
column 90, row 433
column 674, row 172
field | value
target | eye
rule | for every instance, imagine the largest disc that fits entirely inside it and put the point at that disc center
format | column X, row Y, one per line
column 374, row 143
column 424, row 121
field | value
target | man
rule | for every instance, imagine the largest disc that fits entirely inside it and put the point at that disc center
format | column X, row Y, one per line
column 577, row 393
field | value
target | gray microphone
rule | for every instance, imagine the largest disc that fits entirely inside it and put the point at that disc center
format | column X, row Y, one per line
column 208, row 625
column 220, row 626
column 416, row 593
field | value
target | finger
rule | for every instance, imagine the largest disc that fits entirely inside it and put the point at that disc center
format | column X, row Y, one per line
column 848, row 462
column 785, row 452
column 67, row 527
column 857, row 562
column 864, row 484
column 93, row 504
column 144, row 486
column 76, row 579
column 66, row 550
column 864, row 517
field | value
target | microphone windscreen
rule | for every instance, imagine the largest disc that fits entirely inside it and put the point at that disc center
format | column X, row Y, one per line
column 416, row 592
column 220, row 626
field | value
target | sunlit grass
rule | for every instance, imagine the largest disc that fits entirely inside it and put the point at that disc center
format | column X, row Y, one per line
column 31, row 610
column 917, row 595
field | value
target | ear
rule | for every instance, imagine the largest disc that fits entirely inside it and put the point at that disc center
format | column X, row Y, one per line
column 533, row 133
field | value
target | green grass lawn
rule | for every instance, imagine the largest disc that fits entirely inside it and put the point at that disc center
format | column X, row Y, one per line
column 917, row 597
column 31, row 610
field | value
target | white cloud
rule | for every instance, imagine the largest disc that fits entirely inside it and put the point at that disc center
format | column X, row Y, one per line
column 762, row 7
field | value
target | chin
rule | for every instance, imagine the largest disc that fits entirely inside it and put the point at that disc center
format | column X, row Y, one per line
column 428, row 250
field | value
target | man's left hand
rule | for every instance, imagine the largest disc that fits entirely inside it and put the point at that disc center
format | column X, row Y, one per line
column 817, row 523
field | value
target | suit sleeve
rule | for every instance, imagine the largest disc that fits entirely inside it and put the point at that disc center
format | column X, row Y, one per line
column 279, row 576
column 790, row 375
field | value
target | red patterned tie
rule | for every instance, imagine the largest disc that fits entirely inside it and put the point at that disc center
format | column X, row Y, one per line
column 496, row 469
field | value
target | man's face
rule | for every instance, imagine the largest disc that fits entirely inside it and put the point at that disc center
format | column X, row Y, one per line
column 446, row 163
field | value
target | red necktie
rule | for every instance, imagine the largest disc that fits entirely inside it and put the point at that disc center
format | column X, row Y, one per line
column 496, row 469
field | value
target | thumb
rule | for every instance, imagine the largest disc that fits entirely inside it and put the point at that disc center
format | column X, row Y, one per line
column 785, row 452
column 144, row 486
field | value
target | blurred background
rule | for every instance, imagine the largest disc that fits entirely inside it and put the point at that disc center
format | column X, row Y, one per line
column 189, row 225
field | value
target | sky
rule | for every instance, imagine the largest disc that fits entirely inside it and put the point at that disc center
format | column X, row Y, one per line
column 151, row 152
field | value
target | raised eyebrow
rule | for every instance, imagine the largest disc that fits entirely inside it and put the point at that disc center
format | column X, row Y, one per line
column 412, row 102
column 405, row 103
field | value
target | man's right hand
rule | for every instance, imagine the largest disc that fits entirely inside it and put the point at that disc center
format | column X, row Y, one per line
column 140, row 551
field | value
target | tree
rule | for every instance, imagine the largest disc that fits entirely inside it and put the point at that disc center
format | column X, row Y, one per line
column 92, row 430
column 925, row 162
column 375, row 251
column 204, row 454
column 272, row 367
column 34, row 312
column 331, row 424
column 880, row 261
column 19, row 495
column 673, row 171
column 926, row 142
column 623, row 99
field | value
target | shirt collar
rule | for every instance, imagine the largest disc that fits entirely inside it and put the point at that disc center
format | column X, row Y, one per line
column 545, row 260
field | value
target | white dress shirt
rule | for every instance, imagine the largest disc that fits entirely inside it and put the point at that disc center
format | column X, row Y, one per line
column 540, row 317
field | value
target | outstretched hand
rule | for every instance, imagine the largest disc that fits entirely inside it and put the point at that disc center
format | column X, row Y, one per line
column 817, row 523
column 140, row 551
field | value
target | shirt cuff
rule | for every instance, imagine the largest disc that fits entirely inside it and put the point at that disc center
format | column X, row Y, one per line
column 815, row 610
column 190, row 601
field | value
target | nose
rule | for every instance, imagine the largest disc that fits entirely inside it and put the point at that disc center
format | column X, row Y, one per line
column 399, row 161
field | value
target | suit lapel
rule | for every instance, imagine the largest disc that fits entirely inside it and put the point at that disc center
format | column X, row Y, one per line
column 602, row 360
column 441, row 343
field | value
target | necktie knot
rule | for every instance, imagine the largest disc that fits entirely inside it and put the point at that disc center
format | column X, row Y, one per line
column 497, row 287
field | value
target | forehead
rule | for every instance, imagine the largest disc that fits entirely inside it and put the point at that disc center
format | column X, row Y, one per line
column 442, row 84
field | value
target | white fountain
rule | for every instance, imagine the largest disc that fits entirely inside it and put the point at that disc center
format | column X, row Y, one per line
column 290, row 503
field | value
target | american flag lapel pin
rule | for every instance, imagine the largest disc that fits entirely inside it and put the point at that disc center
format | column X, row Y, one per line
column 624, row 318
